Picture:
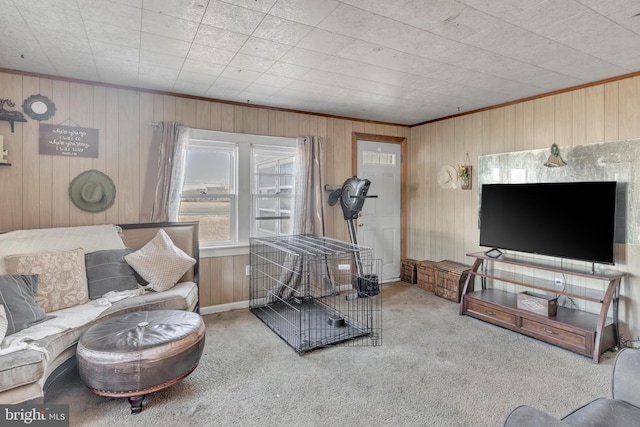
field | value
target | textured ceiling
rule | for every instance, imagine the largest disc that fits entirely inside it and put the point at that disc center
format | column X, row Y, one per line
column 397, row 61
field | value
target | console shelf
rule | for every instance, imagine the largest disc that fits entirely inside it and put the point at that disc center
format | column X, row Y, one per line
column 580, row 331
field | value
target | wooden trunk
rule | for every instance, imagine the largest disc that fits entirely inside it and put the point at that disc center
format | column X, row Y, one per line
column 426, row 275
column 409, row 271
column 450, row 277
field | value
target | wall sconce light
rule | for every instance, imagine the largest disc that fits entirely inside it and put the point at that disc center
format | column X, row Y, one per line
column 554, row 160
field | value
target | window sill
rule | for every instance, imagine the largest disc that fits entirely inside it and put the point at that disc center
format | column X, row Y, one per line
column 220, row 251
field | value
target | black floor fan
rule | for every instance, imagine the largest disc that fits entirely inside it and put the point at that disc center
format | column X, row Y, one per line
column 352, row 195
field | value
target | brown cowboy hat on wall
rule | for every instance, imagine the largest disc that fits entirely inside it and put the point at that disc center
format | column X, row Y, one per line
column 92, row 191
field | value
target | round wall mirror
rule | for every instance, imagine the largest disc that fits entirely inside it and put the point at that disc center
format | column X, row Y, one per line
column 38, row 107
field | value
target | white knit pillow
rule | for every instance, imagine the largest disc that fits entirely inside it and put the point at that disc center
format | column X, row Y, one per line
column 160, row 262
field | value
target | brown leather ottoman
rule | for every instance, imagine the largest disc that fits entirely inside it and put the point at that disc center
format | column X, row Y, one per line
column 137, row 353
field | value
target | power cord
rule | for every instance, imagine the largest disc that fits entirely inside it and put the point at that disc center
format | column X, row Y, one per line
column 567, row 298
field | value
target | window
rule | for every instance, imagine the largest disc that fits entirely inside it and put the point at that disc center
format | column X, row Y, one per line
column 378, row 158
column 238, row 186
column 209, row 193
column 272, row 195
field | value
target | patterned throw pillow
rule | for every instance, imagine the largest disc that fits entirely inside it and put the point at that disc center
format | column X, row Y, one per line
column 62, row 279
column 160, row 262
column 18, row 300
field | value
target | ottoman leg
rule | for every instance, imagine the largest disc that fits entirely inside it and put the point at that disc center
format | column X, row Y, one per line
column 136, row 403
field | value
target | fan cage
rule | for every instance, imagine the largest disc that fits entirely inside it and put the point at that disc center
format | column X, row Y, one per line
column 305, row 289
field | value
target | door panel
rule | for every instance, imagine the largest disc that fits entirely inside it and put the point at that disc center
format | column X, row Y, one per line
column 388, row 252
column 379, row 222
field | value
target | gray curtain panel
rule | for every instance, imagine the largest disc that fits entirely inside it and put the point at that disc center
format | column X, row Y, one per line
column 309, row 204
column 155, row 198
column 309, row 218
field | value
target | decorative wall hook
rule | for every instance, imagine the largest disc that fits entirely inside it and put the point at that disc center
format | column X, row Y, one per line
column 554, row 160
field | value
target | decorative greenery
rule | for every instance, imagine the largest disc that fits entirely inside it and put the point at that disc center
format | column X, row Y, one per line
column 463, row 171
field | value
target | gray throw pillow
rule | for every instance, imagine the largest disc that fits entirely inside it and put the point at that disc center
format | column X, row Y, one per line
column 18, row 296
column 108, row 271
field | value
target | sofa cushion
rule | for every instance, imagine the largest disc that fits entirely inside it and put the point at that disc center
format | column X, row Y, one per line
column 17, row 295
column 91, row 238
column 183, row 296
column 528, row 416
column 20, row 368
column 160, row 262
column 62, row 278
column 625, row 384
column 604, row 413
column 108, row 271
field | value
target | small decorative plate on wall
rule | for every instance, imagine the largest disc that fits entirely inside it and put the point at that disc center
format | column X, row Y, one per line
column 39, row 107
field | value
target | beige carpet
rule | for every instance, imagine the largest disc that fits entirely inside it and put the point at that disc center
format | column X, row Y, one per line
column 434, row 368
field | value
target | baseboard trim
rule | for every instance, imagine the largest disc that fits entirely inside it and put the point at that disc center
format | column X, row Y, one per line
column 224, row 307
column 220, row 308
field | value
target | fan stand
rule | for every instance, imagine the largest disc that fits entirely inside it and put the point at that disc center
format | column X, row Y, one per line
column 352, row 195
column 354, row 239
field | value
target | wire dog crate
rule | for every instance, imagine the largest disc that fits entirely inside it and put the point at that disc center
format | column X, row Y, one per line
column 305, row 289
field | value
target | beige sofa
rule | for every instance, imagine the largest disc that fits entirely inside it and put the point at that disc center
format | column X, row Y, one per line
column 25, row 374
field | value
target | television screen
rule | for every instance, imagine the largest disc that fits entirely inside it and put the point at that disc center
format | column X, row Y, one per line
column 573, row 220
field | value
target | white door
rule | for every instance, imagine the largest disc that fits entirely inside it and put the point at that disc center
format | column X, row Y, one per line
column 379, row 223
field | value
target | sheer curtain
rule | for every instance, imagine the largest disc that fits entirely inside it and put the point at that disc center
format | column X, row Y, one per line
column 177, row 172
column 163, row 180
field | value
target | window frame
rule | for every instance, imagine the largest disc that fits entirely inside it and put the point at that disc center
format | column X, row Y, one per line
column 232, row 195
column 243, row 222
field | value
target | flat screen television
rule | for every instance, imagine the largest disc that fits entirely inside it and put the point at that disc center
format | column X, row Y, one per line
column 574, row 220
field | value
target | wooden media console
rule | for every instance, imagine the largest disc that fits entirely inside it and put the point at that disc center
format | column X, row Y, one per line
column 590, row 334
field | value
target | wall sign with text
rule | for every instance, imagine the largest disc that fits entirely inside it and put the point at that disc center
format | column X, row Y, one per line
column 70, row 141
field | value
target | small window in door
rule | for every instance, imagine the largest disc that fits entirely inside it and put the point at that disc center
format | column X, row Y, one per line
column 378, row 158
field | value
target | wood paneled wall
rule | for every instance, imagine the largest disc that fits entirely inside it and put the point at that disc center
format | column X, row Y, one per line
column 443, row 223
column 33, row 191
